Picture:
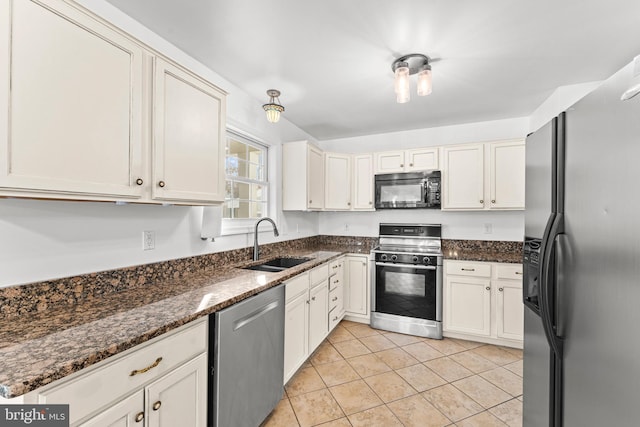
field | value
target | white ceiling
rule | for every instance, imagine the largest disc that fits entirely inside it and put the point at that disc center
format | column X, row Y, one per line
column 331, row 59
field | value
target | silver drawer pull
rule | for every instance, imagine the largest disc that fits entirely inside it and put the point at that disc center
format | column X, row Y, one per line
column 468, row 269
column 519, row 273
column 143, row 370
column 139, row 417
column 157, row 405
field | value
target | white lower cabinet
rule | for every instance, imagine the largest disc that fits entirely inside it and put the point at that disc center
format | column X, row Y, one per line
column 163, row 381
column 306, row 321
column 336, row 292
column 178, row 398
column 356, row 292
column 483, row 302
column 314, row 307
column 318, row 314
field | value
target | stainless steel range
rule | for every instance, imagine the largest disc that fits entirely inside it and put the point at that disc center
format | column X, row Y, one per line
column 406, row 294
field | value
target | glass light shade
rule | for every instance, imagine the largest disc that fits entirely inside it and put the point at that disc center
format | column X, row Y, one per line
column 402, row 85
column 424, row 82
column 273, row 112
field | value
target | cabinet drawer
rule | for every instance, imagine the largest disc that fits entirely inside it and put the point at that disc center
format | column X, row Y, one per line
column 98, row 388
column 335, row 266
column 508, row 271
column 334, row 318
column 296, row 286
column 335, row 281
column 469, row 269
column 335, row 297
column 319, row 274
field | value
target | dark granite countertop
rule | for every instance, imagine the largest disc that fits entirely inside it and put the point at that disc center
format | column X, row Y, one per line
column 40, row 347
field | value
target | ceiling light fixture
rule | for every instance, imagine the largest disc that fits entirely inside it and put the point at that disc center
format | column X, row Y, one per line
column 272, row 108
column 406, row 66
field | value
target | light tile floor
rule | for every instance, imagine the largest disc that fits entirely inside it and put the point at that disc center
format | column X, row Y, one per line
column 360, row 376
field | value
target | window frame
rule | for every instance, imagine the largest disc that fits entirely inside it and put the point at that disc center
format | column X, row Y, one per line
column 245, row 225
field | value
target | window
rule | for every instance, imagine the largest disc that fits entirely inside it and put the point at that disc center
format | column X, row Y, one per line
column 246, row 178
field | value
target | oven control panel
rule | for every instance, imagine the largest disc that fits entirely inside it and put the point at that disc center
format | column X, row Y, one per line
column 406, row 258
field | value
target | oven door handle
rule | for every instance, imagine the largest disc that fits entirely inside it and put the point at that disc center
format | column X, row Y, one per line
column 417, row 267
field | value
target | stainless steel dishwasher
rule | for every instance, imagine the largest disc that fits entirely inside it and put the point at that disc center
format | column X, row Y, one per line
column 246, row 360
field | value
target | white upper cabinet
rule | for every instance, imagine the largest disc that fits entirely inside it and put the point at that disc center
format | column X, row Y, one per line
column 337, row 181
column 406, row 161
column 422, row 159
column 188, row 137
column 483, row 176
column 463, row 177
column 302, row 177
column 71, row 94
column 363, row 191
column 77, row 99
column 507, row 167
column 389, row 162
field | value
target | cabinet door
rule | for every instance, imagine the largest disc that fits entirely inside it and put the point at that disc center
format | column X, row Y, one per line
column 296, row 334
column 422, row 159
column 318, row 315
column 463, row 177
column 507, row 166
column 180, row 397
column 189, row 129
column 126, row 413
column 71, row 103
column 510, row 309
column 356, row 286
column 363, row 182
column 389, row 162
column 315, row 178
column 337, row 181
column 467, row 304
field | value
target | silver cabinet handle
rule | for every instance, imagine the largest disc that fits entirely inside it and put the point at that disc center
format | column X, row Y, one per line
column 161, row 184
column 139, row 417
column 493, row 201
column 335, row 318
column 468, row 269
column 139, row 181
column 488, row 288
column 157, row 405
column 481, row 201
column 401, row 165
column 310, row 201
column 370, row 202
column 410, row 164
column 313, row 298
column 519, row 273
column 500, row 289
column 334, row 299
column 307, row 301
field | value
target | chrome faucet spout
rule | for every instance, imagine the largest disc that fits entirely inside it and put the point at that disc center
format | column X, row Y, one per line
column 256, row 248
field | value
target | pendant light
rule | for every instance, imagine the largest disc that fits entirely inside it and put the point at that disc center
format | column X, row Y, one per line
column 272, row 108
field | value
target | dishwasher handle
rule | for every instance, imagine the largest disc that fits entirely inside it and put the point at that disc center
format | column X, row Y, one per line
column 254, row 315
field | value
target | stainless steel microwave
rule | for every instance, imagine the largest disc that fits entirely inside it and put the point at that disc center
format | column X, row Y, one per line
column 408, row 190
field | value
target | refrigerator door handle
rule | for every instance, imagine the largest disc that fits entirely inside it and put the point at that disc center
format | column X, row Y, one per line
column 546, row 279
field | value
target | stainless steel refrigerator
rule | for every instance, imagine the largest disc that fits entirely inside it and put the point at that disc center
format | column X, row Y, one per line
column 581, row 283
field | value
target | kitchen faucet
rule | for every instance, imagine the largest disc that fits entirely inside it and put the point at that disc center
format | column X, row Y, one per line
column 256, row 250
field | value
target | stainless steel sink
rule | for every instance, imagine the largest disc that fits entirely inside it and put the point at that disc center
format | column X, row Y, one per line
column 278, row 264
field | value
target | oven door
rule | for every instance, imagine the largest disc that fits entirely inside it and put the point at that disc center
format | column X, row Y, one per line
column 408, row 290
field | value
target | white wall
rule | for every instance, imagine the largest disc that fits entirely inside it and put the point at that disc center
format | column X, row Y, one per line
column 456, row 225
column 561, row 99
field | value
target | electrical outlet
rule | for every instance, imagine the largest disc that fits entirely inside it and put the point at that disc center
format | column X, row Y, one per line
column 148, row 240
column 488, row 228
